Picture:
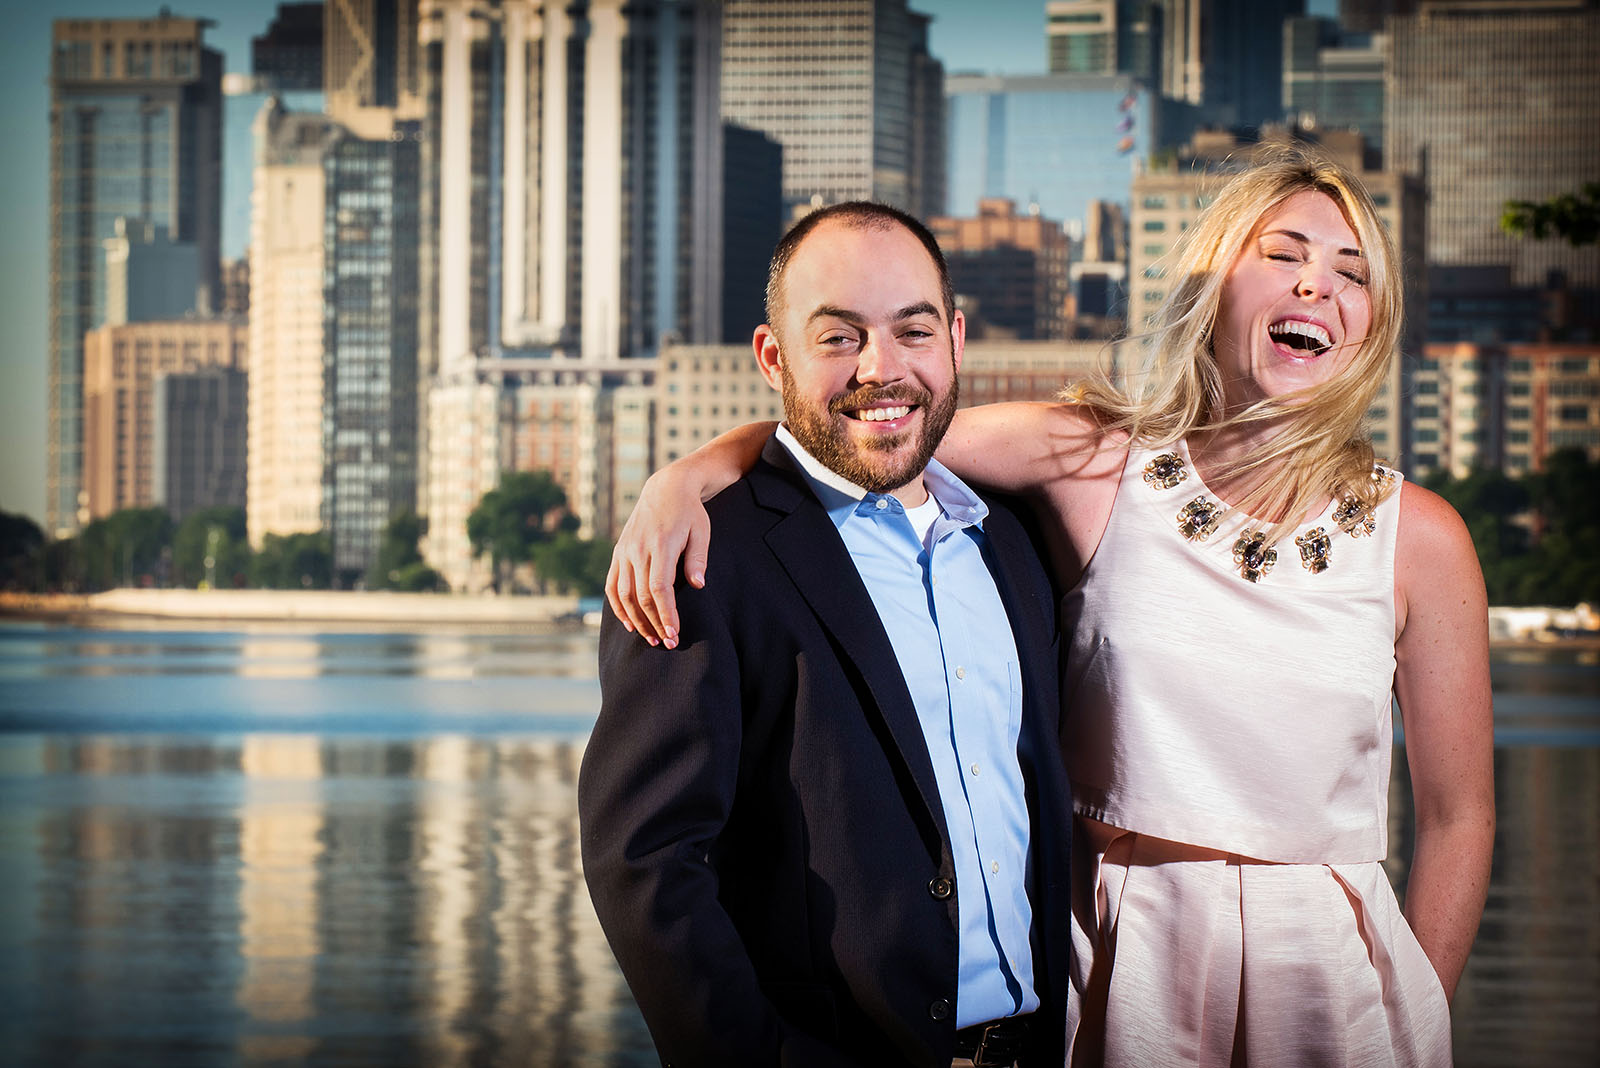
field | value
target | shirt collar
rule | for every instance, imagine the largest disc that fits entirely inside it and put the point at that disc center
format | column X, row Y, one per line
column 839, row 495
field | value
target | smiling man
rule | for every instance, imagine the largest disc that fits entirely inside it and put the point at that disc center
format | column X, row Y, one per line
column 832, row 826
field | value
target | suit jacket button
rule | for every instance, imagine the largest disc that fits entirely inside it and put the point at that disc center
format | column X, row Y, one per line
column 940, row 1010
column 940, row 887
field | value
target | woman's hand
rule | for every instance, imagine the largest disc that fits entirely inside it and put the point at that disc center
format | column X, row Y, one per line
column 668, row 523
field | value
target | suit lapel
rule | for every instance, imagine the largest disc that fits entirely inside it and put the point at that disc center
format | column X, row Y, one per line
column 807, row 545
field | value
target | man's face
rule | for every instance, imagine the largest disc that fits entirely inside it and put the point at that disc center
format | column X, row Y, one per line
column 864, row 357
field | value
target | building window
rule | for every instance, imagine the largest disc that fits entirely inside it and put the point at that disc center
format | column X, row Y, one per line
column 1154, row 226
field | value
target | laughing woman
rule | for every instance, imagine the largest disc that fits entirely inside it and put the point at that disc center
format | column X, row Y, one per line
column 1248, row 591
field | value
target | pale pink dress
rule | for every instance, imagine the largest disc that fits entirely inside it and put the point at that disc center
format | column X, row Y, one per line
column 1229, row 744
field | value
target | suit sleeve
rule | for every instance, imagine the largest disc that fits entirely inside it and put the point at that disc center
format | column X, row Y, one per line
column 655, row 790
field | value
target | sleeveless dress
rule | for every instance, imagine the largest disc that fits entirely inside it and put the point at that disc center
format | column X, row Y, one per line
column 1229, row 743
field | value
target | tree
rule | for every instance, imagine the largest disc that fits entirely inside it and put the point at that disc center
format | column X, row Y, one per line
column 294, row 562
column 573, row 563
column 510, row 519
column 21, row 553
column 127, row 547
column 399, row 564
column 211, row 548
column 1573, row 216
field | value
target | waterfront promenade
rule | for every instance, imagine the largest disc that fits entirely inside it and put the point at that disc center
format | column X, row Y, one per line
column 315, row 606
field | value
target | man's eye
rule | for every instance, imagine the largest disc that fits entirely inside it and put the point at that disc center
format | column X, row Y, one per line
column 838, row 339
column 917, row 332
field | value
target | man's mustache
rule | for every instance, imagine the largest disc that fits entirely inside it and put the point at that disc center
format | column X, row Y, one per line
column 866, row 397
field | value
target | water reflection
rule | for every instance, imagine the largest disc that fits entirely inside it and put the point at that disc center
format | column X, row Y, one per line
column 281, row 848
column 292, row 898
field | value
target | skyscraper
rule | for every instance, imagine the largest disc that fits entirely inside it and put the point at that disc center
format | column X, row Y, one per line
column 1334, row 79
column 287, row 264
column 838, row 84
column 135, row 132
column 369, row 340
column 1493, row 102
column 571, row 216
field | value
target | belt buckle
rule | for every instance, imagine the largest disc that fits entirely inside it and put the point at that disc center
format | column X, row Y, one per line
column 1004, row 1048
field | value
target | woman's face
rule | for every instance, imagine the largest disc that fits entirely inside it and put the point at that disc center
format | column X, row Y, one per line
column 1294, row 307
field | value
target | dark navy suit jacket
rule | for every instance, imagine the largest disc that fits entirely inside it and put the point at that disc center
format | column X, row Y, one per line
column 762, row 834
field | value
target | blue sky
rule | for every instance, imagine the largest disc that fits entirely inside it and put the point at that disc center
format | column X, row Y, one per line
column 995, row 36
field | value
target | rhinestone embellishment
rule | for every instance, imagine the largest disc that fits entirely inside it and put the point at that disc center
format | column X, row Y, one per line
column 1198, row 519
column 1354, row 518
column 1250, row 552
column 1314, row 547
column 1165, row 471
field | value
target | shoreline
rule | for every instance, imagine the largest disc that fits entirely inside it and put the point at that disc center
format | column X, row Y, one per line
column 390, row 610
column 293, row 607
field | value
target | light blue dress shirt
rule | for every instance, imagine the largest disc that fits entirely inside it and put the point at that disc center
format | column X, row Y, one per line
column 937, row 600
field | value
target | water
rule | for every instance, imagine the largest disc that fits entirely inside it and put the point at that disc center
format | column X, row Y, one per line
column 275, row 847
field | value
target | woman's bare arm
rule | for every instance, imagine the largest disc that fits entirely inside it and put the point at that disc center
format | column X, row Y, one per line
column 1442, row 682
column 669, row 523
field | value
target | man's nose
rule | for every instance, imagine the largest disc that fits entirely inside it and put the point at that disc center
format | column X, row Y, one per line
column 880, row 360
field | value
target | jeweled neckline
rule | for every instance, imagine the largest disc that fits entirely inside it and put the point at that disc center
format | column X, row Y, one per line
column 1201, row 515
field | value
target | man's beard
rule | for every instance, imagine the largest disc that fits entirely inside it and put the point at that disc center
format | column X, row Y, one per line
column 872, row 463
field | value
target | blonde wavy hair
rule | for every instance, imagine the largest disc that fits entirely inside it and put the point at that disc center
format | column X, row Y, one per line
column 1320, row 450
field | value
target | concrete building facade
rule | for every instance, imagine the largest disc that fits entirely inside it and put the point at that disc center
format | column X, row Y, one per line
column 1504, row 407
column 287, row 266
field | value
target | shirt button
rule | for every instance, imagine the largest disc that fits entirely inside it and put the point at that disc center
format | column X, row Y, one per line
column 934, row 579
column 974, row 769
column 940, row 1010
column 882, row 504
column 961, row 672
column 994, row 866
column 941, row 888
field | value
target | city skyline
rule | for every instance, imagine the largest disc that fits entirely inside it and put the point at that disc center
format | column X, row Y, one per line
column 1006, row 36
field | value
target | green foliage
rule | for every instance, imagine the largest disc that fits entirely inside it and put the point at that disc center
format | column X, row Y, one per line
column 514, row 517
column 573, row 564
column 214, row 534
column 125, row 548
column 1573, row 216
column 1537, row 537
column 294, row 562
column 21, row 553
column 398, row 564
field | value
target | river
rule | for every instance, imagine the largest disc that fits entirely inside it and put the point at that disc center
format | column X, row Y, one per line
column 273, row 846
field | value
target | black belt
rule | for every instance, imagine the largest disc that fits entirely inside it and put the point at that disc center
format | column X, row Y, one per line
column 994, row 1045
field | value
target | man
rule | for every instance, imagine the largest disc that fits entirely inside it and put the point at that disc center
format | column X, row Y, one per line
column 832, row 827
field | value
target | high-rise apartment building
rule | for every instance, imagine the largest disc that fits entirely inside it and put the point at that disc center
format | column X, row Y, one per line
column 850, row 91
column 122, row 365
column 1493, row 102
column 1504, row 407
column 752, row 223
column 135, row 132
column 1167, row 200
column 1009, row 271
column 287, row 279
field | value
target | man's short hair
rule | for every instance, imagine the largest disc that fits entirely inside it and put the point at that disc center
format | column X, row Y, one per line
column 858, row 215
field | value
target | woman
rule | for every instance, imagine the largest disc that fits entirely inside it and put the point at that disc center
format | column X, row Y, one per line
column 1247, row 589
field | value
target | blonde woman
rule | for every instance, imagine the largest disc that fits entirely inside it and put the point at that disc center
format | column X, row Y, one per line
column 1248, row 590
